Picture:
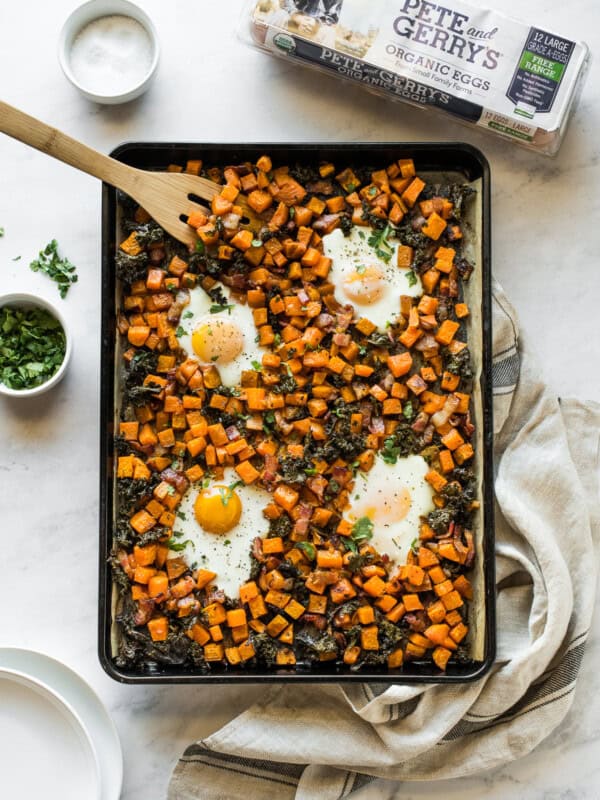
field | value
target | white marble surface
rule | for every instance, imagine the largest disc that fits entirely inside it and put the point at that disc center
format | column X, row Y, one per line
column 210, row 87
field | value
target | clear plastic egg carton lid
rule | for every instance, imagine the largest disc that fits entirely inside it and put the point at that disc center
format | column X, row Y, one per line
column 517, row 81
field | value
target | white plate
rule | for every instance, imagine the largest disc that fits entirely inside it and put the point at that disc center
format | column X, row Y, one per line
column 38, row 690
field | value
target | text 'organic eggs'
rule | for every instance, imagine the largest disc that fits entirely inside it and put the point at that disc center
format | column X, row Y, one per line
column 364, row 279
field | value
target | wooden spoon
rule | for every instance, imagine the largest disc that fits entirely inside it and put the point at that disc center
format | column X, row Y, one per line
column 166, row 196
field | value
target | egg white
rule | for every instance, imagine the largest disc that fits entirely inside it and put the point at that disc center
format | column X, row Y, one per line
column 197, row 313
column 393, row 497
column 350, row 256
column 210, row 551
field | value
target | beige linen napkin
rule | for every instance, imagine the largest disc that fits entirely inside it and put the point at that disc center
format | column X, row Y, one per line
column 329, row 742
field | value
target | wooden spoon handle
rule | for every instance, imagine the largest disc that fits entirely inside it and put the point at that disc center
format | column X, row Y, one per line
column 53, row 142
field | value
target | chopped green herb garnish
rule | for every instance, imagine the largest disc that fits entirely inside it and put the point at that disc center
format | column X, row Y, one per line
column 361, row 269
column 17, row 258
column 216, row 308
column 257, row 366
column 361, row 234
column 178, row 546
column 308, row 549
column 408, row 411
column 390, row 452
column 188, row 315
column 411, row 277
column 227, row 494
column 292, row 212
column 60, row 270
column 181, row 515
column 200, row 246
column 227, row 541
column 32, row 347
column 310, row 471
column 362, row 530
column 276, row 339
column 179, row 332
column 379, row 242
column 268, row 420
column 1, row 232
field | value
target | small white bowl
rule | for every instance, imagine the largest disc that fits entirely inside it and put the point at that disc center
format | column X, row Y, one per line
column 27, row 301
column 93, row 10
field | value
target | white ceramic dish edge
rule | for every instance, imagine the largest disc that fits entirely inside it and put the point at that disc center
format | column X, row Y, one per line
column 76, row 691
column 86, row 13
column 67, row 711
column 23, row 300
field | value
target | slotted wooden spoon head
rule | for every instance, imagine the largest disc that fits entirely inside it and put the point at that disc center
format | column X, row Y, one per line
column 169, row 197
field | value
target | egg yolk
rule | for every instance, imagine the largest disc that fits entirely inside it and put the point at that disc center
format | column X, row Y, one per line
column 218, row 509
column 218, row 340
column 365, row 285
column 392, row 508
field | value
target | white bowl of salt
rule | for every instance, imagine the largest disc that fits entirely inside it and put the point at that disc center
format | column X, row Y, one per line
column 109, row 50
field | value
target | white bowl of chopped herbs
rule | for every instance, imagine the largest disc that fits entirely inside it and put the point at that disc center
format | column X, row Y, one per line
column 35, row 345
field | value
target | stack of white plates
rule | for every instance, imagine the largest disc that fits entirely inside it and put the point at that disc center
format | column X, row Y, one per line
column 57, row 740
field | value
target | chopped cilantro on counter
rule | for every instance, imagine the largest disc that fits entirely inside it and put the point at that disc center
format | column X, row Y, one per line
column 60, row 270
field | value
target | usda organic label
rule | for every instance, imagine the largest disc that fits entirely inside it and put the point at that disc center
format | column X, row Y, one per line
column 285, row 42
column 540, row 71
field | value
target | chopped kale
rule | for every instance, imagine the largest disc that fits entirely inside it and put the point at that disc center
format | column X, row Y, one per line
column 293, row 470
column 146, row 234
column 123, row 446
column 346, row 224
column 282, row 526
column 403, row 442
column 137, row 648
column 440, row 519
column 357, row 562
column 132, row 492
column 142, row 364
column 287, row 384
column 458, row 194
column 342, row 443
column 310, row 638
column 458, row 364
column 378, row 339
column 389, row 635
column 304, row 174
column 265, row 648
column 140, row 395
column 131, row 268
column 151, row 536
